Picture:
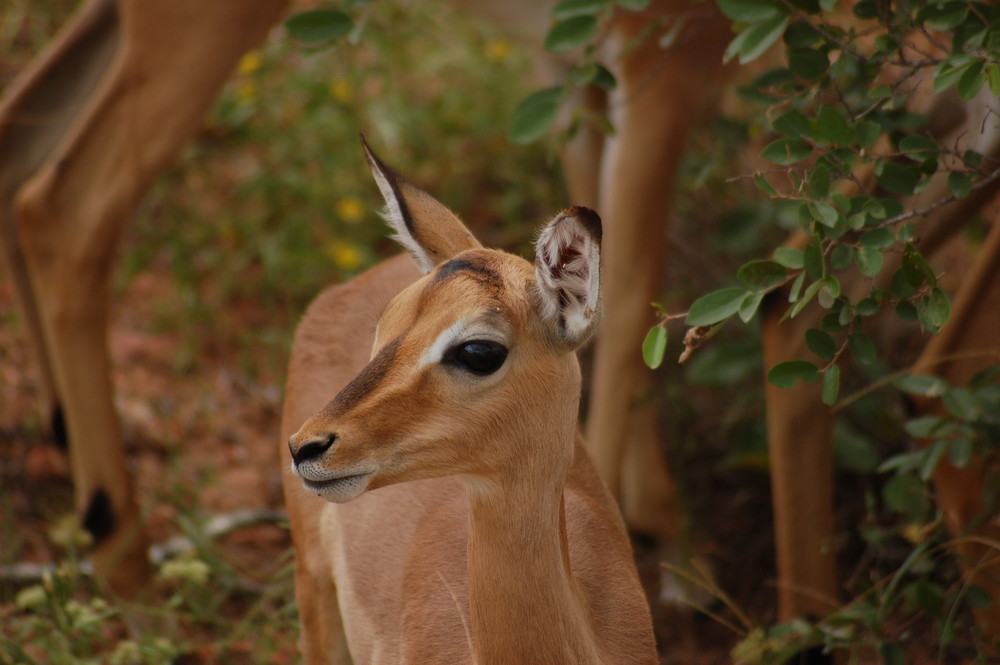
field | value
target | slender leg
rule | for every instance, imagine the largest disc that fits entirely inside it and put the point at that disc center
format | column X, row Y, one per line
column 70, row 215
column 35, row 115
column 961, row 493
column 801, row 452
column 659, row 97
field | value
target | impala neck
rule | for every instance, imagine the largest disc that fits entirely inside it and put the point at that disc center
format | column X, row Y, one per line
column 524, row 602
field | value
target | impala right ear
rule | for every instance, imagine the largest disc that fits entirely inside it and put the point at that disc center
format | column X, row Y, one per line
column 568, row 275
column 425, row 227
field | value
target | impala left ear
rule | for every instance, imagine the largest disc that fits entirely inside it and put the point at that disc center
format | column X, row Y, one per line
column 568, row 273
column 423, row 225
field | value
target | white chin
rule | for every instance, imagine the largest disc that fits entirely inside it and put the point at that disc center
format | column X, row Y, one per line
column 339, row 490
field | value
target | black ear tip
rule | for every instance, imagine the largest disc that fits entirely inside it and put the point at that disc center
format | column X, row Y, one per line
column 589, row 219
column 369, row 155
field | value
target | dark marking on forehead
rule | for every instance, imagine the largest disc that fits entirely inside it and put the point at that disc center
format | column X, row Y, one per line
column 364, row 383
column 476, row 267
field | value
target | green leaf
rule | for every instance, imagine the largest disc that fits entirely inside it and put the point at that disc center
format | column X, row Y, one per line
column 810, row 293
column 867, row 132
column 789, row 257
column 819, row 181
column 993, row 77
column 763, row 185
column 962, row 403
column 319, row 25
column 932, row 455
column 960, row 184
column 592, row 73
column 761, row 275
column 715, row 307
column 786, row 151
column 571, row 33
column 868, row 306
column 877, row 238
column 801, row 34
column 821, row 343
column 943, row 16
column 971, row 81
column 812, row 259
column 918, row 147
column 786, row 374
column 808, row 64
column 534, row 115
column 949, row 71
column 748, row 11
column 841, row 257
column 749, row 305
column 824, row 213
column 870, row 261
column 862, row 348
column 833, row 126
column 756, row 39
column 654, row 347
column 570, row 8
column 899, row 178
column 831, row 385
column 938, row 308
column 916, row 270
column 960, row 451
column 905, row 494
column 794, row 124
column 793, row 292
column 923, row 385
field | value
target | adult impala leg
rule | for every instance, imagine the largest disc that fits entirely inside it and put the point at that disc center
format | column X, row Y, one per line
column 966, row 345
column 70, row 214
column 35, row 114
column 659, row 96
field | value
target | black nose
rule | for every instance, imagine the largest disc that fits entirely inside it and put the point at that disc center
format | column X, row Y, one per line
column 311, row 448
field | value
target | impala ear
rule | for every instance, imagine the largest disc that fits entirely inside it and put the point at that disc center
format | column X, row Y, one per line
column 568, row 273
column 425, row 227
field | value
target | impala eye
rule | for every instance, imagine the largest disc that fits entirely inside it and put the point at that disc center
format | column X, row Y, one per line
column 480, row 357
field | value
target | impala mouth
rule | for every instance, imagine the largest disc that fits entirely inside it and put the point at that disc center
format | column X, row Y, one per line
column 338, row 488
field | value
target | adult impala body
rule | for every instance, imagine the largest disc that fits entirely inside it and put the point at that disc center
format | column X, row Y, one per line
column 476, row 529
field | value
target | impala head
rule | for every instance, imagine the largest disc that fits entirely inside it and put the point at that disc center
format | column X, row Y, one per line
column 473, row 370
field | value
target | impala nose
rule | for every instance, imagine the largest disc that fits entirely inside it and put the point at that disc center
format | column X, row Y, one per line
column 311, row 448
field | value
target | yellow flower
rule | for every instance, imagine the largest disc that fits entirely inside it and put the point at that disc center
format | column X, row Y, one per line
column 246, row 92
column 916, row 533
column 249, row 63
column 344, row 255
column 498, row 49
column 342, row 90
column 350, row 209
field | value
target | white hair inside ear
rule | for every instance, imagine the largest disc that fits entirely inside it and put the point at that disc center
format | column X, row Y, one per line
column 568, row 272
column 395, row 213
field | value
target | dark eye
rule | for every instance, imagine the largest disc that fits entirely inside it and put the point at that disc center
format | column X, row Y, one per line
column 478, row 356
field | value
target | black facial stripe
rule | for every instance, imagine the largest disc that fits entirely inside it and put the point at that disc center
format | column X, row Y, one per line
column 368, row 380
column 471, row 266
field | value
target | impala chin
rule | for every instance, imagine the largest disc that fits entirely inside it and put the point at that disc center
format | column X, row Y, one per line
column 336, row 487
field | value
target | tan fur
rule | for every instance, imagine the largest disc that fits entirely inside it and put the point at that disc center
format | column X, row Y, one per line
column 83, row 133
column 484, row 534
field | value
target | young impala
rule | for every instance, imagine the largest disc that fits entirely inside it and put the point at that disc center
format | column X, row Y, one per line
column 490, row 538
